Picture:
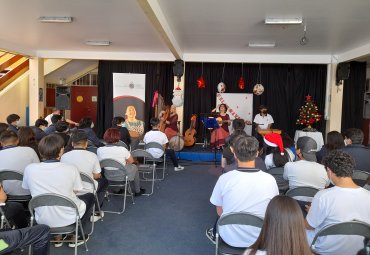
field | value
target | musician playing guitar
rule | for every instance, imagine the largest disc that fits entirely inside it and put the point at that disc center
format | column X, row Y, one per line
column 219, row 135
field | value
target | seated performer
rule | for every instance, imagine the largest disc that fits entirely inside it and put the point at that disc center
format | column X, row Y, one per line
column 263, row 120
column 171, row 129
column 219, row 135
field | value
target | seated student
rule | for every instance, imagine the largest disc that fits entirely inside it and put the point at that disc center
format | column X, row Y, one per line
column 27, row 139
column 38, row 129
column 13, row 121
column 155, row 135
column 353, row 138
column 283, row 230
column 306, row 171
column 51, row 128
column 344, row 202
column 3, row 127
column 236, row 191
column 122, row 155
column 276, row 155
column 38, row 236
column 14, row 157
column 334, row 141
column 86, row 124
column 119, row 123
column 86, row 162
column 58, row 112
column 52, row 176
column 62, row 129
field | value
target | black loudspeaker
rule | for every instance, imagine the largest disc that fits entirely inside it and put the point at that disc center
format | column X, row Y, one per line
column 178, row 69
column 343, row 70
column 63, row 98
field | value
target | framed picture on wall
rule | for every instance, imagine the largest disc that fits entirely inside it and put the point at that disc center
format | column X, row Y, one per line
column 41, row 94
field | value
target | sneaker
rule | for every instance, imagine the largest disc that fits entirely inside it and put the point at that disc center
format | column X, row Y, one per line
column 179, row 168
column 142, row 191
column 96, row 216
column 79, row 241
column 210, row 236
column 58, row 241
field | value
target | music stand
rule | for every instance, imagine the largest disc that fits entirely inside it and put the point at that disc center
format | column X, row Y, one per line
column 209, row 123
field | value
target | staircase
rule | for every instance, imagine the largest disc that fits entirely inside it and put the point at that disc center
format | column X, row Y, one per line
column 11, row 67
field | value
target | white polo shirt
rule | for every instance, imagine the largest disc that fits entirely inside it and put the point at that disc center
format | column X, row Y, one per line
column 263, row 121
column 306, row 173
column 119, row 153
column 16, row 158
column 59, row 178
column 337, row 205
column 243, row 191
column 158, row 137
column 86, row 162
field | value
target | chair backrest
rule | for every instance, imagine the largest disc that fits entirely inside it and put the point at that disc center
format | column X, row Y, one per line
column 278, row 173
column 123, row 144
column 139, row 153
column 240, row 218
column 51, row 199
column 86, row 178
column 360, row 177
column 302, row 192
column 109, row 162
column 345, row 228
column 154, row 145
column 10, row 175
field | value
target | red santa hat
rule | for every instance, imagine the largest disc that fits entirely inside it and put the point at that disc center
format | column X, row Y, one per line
column 274, row 140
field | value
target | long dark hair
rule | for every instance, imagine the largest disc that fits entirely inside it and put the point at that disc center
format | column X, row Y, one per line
column 85, row 123
column 283, row 230
column 334, row 141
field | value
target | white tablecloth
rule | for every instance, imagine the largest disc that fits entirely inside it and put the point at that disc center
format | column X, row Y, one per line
column 317, row 136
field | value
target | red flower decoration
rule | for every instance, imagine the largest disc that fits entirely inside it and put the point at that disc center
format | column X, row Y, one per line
column 201, row 83
column 241, row 83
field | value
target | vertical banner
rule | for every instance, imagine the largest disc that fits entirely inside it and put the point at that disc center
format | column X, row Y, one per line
column 239, row 106
column 129, row 91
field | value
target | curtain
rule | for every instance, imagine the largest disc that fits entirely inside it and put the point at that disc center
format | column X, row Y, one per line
column 286, row 86
column 353, row 96
column 158, row 76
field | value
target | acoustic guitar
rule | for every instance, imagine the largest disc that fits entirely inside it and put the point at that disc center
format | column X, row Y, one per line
column 189, row 139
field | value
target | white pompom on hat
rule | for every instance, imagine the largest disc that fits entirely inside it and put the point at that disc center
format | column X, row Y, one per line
column 274, row 140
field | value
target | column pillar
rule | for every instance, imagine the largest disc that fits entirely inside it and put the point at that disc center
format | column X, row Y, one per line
column 36, row 89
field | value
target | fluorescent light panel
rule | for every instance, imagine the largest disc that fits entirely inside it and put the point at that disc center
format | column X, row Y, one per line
column 98, row 43
column 283, row 21
column 262, row 44
column 56, row 19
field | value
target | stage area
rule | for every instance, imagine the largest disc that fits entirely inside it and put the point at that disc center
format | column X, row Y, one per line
column 198, row 153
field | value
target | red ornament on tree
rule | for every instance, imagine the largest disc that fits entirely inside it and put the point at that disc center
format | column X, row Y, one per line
column 241, row 83
column 201, row 83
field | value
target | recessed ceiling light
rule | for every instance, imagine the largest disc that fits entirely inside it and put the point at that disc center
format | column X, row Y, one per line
column 283, row 21
column 262, row 44
column 56, row 19
column 98, row 43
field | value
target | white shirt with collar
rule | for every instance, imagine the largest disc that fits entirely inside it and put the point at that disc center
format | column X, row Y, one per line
column 263, row 121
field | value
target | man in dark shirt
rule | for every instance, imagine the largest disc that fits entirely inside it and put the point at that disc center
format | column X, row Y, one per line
column 38, row 129
column 353, row 138
column 54, row 119
column 13, row 122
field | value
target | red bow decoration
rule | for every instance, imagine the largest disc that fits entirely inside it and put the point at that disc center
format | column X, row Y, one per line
column 241, row 83
column 201, row 83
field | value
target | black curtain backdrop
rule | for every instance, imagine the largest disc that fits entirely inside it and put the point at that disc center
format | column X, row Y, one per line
column 286, row 86
column 158, row 76
column 353, row 96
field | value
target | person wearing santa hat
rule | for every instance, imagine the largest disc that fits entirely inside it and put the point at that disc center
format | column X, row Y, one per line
column 276, row 155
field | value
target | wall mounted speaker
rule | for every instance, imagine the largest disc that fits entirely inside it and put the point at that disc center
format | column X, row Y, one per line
column 178, row 69
column 343, row 70
column 63, row 98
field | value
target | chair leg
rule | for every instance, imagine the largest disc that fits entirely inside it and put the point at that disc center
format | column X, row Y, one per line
column 83, row 235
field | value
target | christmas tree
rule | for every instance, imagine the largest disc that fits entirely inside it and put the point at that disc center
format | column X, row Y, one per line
column 308, row 114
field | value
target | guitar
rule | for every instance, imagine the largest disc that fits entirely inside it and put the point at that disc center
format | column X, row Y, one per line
column 220, row 121
column 189, row 138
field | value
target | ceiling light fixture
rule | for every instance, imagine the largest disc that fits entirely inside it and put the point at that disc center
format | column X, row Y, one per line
column 262, row 44
column 283, row 21
column 98, row 43
column 56, row 19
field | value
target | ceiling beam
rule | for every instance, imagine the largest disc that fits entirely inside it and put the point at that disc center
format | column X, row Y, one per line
column 154, row 13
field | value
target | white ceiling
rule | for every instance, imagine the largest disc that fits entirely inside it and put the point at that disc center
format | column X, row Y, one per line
column 195, row 30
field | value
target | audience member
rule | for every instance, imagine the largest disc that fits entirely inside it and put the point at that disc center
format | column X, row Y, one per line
column 3, row 127
column 38, row 129
column 289, row 146
column 86, row 124
column 38, row 236
column 86, row 162
column 306, row 171
column 58, row 112
column 155, row 135
column 13, row 121
column 62, row 129
column 283, row 230
column 334, row 141
column 14, row 157
column 353, row 138
column 122, row 155
column 27, row 139
column 52, row 176
column 51, row 128
column 276, row 155
column 344, row 202
column 119, row 123
column 236, row 191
